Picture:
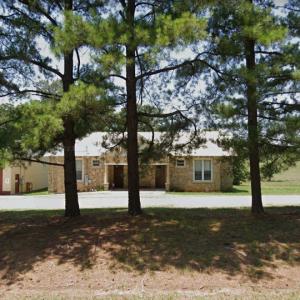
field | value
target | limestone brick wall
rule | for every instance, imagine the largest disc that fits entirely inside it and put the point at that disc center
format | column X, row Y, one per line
column 181, row 178
column 56, row 176
column 125, row 177
column 226, row 175
column 95, row 175
column 116, row 156
column 7, row 180
column 110, row 175
column 147, row 176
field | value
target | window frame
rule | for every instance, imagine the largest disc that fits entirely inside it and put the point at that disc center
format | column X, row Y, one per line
column 184, row 164
column 202, row 163
column 82, row 169
column 97, row 165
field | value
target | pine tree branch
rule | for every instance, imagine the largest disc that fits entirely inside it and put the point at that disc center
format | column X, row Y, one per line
column 115, row 75
column 41, row 162
column 178, row 66
column 142, row 79
column 268, row 52
column 289, row 8
column 58, row 4
column 123, row 3
column 151, row 144
column 120, row 142
column 33, row 92
column 33, row 61
column 46, row 67
column 40, row 10
column 144, row 3
column 8, row 121
column 282, row 93
column 78, row 63
column 177, row 112
column 281, row 103
column 165, row 115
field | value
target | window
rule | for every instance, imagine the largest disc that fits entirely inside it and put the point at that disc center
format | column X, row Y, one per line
column 96, row 163
column 202, row 170
column 207, row 169
column 198, row 170
column 180, row 163
column 79, row 172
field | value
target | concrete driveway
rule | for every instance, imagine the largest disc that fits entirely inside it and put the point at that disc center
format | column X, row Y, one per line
column 148, row 199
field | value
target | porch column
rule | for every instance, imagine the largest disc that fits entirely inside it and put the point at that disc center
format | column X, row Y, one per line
column 167, row 185
column 106, row 183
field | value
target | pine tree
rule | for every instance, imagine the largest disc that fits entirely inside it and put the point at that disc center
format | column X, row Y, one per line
column 28, row 23
column 131, row 40
column 249, row 43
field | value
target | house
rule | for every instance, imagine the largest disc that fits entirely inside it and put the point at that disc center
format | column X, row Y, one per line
column 205, row 168
column 20, row 177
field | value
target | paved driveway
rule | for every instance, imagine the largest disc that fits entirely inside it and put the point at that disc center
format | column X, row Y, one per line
column 148, row 198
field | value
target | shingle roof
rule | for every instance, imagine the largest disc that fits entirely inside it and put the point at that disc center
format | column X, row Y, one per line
column 91, row 145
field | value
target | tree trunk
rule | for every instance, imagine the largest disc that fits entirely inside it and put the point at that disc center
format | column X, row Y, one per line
column 134, row 204
column 257, row 206
column 71, row 195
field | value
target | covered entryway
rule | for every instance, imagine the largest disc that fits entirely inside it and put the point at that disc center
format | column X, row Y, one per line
column 118, row 176
column 17, row 183
column 155, row 177
column 160, row 176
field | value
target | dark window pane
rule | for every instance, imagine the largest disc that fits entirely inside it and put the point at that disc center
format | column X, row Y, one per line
column 198, row 169
column 79, row 175
column 96, row 163
column 207, row 170
column 198, row 175
column 207, row 175
column 180, row 163
column 79, row 169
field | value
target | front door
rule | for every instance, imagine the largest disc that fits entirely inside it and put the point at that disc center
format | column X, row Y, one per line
column 17, row 183
column 119, row 177
column 160, row 177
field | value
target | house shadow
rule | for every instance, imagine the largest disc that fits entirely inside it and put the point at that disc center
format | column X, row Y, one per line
column 200, row 240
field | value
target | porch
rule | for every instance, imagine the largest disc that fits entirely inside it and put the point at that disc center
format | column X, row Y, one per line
column 154, row 176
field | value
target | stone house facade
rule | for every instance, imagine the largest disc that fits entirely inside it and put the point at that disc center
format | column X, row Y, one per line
column 206, row 169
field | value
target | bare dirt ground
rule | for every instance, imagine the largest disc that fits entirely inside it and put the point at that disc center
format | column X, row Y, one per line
column 164, row 254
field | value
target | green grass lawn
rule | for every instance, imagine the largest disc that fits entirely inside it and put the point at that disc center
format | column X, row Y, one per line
column 272, row 188
column 285, row 183
column 38, row 192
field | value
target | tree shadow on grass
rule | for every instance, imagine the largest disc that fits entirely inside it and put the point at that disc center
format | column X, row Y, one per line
column 236, row 190
column 203, row 240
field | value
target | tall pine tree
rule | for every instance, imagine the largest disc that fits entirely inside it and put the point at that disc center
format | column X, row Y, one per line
column 133, row 40
column 249, row 44
column 32, row 25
